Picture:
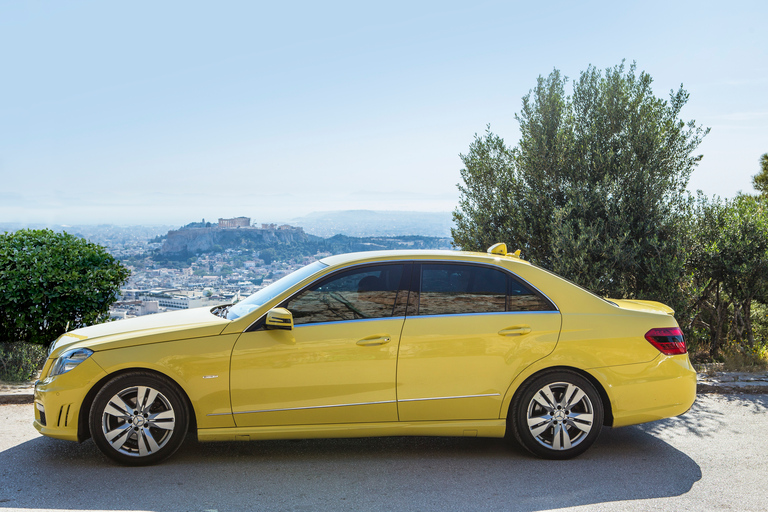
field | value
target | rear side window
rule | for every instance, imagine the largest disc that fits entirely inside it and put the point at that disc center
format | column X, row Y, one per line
column 521, row 298
column 454, row 288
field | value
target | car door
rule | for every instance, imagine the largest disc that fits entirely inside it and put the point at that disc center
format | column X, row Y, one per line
column 337, row 365
column 470, row 330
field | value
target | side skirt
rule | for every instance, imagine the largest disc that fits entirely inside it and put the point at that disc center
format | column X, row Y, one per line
column 480, row 428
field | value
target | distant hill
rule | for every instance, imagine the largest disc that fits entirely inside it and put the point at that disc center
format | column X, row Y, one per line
column 366, row 223
column 288, row 242
column 105, row 234
column 187, row 241
column 341, row 243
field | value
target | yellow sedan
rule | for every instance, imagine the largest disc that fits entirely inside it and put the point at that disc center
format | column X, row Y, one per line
column 391, row 343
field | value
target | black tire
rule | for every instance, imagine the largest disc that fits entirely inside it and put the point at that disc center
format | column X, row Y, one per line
column 138, row 418
column 556, row 415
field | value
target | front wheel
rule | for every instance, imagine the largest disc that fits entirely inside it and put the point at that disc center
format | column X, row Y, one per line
column 138, row 418
column 557, row 415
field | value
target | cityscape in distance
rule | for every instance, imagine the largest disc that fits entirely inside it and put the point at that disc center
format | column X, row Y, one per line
column 207, row 263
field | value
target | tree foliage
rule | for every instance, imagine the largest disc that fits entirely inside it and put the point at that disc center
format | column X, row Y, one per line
column 53, row 281
column 19, row 362
column 729, row 265
column 595, row 189
column 268, row 255
column 486, row 206
column 760, row 180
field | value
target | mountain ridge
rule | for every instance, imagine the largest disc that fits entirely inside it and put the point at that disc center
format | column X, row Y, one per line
column 363, row 223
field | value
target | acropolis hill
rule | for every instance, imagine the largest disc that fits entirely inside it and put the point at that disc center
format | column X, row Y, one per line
column 229, row 234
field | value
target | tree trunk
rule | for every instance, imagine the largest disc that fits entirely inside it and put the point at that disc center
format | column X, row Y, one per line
column 748, row 320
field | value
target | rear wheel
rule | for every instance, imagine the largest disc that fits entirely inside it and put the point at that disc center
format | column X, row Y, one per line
column 138, row 418
column 557, row 415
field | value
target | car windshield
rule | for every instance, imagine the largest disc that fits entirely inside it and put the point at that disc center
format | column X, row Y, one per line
column 264, row 295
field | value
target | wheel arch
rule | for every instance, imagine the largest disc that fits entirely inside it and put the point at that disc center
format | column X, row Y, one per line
column 83, row 428
column 607, row 406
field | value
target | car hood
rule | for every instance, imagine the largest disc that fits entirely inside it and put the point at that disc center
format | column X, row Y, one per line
column 647, row 306
column 188, row 323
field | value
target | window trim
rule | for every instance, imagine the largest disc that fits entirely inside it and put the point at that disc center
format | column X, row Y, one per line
column 331, row 322
column 487, row 313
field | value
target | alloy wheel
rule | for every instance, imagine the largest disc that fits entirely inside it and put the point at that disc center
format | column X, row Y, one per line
column 560, row 416
column 138, row 421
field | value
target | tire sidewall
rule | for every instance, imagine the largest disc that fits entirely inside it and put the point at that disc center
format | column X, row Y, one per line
column 168, row 388
column 519, row 414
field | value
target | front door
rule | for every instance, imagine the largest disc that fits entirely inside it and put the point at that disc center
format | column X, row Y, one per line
column 337, row 365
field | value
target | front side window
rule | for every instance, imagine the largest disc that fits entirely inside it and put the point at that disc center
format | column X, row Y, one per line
column 455, row 288
column 361, row 293
column 264, row 295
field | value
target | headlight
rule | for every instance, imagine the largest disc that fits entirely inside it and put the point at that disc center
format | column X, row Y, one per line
column 69, row 359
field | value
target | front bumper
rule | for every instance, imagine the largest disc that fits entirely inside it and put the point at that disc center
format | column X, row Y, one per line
column 58, row 400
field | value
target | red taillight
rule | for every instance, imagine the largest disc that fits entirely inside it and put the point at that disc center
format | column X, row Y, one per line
column 668, row 340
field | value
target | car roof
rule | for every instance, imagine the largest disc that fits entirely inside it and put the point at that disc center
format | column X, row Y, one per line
column 415, row 254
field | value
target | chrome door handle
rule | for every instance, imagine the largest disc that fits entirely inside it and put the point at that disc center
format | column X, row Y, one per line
column 372, row 342
column 517, row 330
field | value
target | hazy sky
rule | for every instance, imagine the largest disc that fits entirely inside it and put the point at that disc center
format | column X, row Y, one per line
column 169, row 112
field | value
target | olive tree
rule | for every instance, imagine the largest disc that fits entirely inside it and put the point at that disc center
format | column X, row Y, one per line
column 596, row 187
column 50, row 281
column 729, row 265
column 760, row 180
column 484, row 215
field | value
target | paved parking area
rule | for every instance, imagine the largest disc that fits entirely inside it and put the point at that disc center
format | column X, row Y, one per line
column 712, row 458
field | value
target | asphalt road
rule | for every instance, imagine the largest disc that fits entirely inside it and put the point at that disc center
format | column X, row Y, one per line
column 713, row 458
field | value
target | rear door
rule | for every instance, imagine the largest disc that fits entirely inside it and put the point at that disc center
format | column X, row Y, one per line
column 469, row 331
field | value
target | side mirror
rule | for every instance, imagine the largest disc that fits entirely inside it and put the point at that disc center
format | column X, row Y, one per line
column 279, row 318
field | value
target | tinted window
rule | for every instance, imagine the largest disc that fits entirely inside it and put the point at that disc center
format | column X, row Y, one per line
column 448, row 289
column 264, row 295
column 367, row 292
column 520, row 298
column 451, row 288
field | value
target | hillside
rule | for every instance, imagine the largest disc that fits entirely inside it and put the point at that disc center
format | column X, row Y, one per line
column 185, row 242
column 287, row 241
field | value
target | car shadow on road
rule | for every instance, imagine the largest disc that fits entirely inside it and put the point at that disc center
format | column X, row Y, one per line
column 398, row 473
column 704, row 419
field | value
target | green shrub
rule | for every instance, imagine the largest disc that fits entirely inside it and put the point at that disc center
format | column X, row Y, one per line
column 53, row 282
column 19, row 362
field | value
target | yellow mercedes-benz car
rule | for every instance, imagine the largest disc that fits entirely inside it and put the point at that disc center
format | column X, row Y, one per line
column 400, row 343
